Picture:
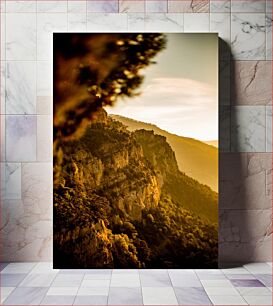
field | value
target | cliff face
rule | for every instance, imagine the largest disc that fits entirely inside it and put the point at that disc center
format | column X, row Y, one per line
column 113, row 184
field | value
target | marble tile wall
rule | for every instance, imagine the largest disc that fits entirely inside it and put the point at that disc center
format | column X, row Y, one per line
column 245, row 30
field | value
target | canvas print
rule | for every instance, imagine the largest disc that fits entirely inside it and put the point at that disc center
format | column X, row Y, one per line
column 135, row 150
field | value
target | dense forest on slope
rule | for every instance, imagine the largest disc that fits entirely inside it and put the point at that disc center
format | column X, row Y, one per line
column 195, row 158
column 120, row 201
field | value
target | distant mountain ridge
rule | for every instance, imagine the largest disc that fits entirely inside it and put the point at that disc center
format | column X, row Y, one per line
column 195, row 158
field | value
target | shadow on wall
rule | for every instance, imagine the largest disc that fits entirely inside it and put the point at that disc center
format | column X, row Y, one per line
column 243, row 237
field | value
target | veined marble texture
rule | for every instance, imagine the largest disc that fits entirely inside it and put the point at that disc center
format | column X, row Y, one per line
column 196, row 22
column 2, row 88
column 77, row 22
column 248, row 36
column 170, row 22
column 136, row 22
column 249, row 6
column 244, row 181
column 3, row 36
column 47, row 23
column 248, row 129
column 131, row 6
column 102, row 6
column 159, row 6
column 11, row 181
column 248, row 232
column 268, row 21
column 44, row 78
column 268, row 128
column 220, row 6
column 21, row 6
column 106, row 22
column 20, row 88
column 245, row 178
column 20, row 138
column 20, row 36
column 77, row 6
column 252, row 84
column 188, row 6
column 58, row 6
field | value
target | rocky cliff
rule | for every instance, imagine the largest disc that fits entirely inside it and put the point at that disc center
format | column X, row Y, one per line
column 120, row 201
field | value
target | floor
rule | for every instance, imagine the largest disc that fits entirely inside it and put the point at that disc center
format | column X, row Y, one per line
column 39, row 284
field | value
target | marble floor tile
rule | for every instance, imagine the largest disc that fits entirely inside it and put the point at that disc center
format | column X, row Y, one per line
column 254, row 291
column 43, row 268
column 154, row 280
column 3, row 265
column 97, row 276
column 217, row 283
column 126, row 271
column 44, row 105
column 67, row 280
column 185, row 281
column 192, row 296
column 258, row 299
column 58, row 300
column 86, row 291
column 102, row 6
column 248, row 36
column 240, row 276
column 266, row 279
column 246, row 283
column 228, row 291
column 20, row 267
column 5, row 292
column 91, row 300
column 125, row 296
column 227, row 300
column 96, row 283
column 38, row 280
column 44, row 138
column 125, row 280
column 86, row 271
column 258, row 268
column 62, row 291
column 26, row 296
column 11, row 280
column 159, row 296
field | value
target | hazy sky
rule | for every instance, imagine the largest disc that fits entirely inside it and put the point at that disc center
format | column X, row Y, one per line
column 180, row 92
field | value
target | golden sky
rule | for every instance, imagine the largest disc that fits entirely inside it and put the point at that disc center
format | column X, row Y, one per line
column 180, row 92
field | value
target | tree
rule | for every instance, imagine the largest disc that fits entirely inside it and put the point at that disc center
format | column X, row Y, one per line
column 94, row 70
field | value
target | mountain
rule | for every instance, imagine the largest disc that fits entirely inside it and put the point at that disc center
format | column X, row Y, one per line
column 214, row 143
column 120, row 201
column 197, row 159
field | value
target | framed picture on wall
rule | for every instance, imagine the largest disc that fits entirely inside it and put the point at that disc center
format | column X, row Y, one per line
column 135, row 150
